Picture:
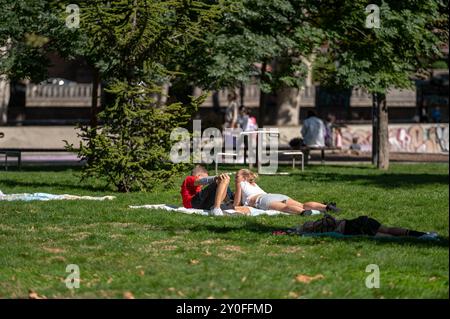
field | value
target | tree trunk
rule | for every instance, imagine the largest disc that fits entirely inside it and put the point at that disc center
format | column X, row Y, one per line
column 94, row 108
column 4, row 99
column 288, row 106
column 242, row 93
column 163, row 96
column 380, row 132
column 383, row 157
column 288, row 98
column 375, row 121
column 262, row 99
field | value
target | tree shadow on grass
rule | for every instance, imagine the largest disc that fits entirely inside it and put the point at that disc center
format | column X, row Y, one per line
column 393, row 180
column 256, row 227
column 443, row 241
column 44, row 168
column 76, row 186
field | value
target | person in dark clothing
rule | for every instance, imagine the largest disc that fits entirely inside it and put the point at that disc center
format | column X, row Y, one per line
column 362, row 225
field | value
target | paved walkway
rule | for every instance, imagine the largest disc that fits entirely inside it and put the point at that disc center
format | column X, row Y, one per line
column 58, row 159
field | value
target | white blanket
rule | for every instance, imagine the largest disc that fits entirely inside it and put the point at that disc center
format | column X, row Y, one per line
column 171, row 208
column 46, row 197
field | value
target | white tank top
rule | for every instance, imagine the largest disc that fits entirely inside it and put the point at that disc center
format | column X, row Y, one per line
column 248, row 190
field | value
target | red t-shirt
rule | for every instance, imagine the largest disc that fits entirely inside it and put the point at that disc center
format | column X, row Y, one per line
column 188, row 190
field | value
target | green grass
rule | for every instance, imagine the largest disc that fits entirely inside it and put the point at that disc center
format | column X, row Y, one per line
column 156, row 254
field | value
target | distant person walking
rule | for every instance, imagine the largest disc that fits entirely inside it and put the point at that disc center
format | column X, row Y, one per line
column 313, row 131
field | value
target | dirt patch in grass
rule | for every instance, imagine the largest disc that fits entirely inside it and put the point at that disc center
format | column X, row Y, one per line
column 80, row 236
column 54, row 250
column 234, row 248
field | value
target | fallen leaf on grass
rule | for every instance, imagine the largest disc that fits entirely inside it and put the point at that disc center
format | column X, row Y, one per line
column 34, row 295
column 194, row 261
column 307, row 279
column 293, row 294
column 128, row 295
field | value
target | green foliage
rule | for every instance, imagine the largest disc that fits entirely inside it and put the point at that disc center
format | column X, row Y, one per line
column 377, row 59
column 142, row 39
column 441, row 64
column 133, row 44
column 29, row 29
column 253, row 32
column 131, row 148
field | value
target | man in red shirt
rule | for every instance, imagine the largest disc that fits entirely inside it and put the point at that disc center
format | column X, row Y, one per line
column 211, row 196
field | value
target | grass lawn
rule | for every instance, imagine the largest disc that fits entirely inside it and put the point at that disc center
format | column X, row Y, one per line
column 157, row 254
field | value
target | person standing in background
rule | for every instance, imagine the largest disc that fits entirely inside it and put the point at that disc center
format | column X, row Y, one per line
column 329, row 130
column 231, row 119
column 231, row 113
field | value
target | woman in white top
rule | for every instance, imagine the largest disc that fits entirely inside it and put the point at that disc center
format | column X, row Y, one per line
column 248, row 193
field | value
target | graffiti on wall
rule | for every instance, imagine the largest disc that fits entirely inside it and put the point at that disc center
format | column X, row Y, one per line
column 410, row 138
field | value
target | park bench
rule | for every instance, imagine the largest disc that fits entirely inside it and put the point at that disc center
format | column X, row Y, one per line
column 17, row 153
column 307, row 149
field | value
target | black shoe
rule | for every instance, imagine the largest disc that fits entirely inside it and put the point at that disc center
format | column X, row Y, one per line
column 332, row 207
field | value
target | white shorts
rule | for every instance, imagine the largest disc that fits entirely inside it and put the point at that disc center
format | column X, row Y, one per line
column 264, row 201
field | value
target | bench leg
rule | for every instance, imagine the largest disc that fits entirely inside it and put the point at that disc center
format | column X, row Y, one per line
column 6, row 162
column 19, row 161
column 303, row 162
column 323, row 156
column 306, row 155
column 293, row 162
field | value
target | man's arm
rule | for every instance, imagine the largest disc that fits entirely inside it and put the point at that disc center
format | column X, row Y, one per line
column 205, row 180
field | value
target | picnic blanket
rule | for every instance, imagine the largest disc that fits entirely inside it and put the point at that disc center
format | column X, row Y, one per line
column 294, row 231
column 172, row 208
column 46, row 197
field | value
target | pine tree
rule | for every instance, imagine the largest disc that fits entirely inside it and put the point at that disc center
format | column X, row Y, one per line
column 133, row 43
column 131, row 147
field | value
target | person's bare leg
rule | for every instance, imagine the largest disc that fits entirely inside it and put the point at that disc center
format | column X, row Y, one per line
column 291, row 202
column 284, row 207
column 221, row 191
column 398, row 231
column 315, row 205
column 307, row 205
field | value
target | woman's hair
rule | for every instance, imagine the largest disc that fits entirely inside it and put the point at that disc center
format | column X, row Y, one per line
column 248, row 175
column 232, row 95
